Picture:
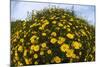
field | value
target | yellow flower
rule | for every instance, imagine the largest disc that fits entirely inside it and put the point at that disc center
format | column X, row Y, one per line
column 31, row 51
column 60, row 24
column 76, row 45
column 76, row 26
column 80, row 53
column 41, row 28
column 83, row 32
column 68, row 26
column 35, row 56
column 35, row 47
column 25, row 52
column 22, row 40
column 53, row 40
column 32, row 47
column 61, row 40
column 53, row 34
column 19, row 63
column 20, row 48
column 85, row 27
column 70, row 53
column 70, row 36
column 65, row 27
column 25, row 35
column 70, row 23
column 34, row 24
column 34, row 32
column 43, row 34
column 16, row 58
column 49, row 51
column 35, row 62
column 64, row 47
column 14, row 40
column 68, row 29
column 20, row 31
column 54, row 22
column 36, row 20
column 32, row 38
column 24, row 23
column 16, row 54
column 57, row 59
column 53, row 17
column 64, row 22
column 43, row 45
column 71, row 19
column 41, row 53
column 63, row 16
column 27, row 61
column 57, row 28
column 74, row 56
column 46, row 22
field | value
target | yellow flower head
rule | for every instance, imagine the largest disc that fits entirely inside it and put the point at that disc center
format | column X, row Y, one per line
column 57, row 28
column 35, row 47
column 70, row 53
column 61, row 40
column 16, row 58
column 53, row 34
column 71, row 19
column 43, row 34
column 49, row 51
column 63, row 16
column 25, row 52
column 53, row 17
column 70, row 23
column 68, row 26
column 27, row 61
column 31, row 51
column 35, row 62
column 41, row 28
column 43, row 45
column 65, row 27
column 60, row 24
column 14, row 40
column 57, row 59
column 19, row 63
column 53, row 40
column 36, row 19
column 16, row 54
column 64, row 47
column 32, row 39
column 83, row 32
column 35, row 56
column 22, row 40
column 54, row 22
column 76, row 45
column 41, row 53
column 70, row 36
column 46, row 22
column 68, row 29
column 20, row 48
column 34, row 24
column 34, row 32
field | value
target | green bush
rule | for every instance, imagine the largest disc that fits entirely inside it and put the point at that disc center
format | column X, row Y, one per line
column 53, row 35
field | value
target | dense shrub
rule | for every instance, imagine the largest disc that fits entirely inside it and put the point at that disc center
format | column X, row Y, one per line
column 54, row 35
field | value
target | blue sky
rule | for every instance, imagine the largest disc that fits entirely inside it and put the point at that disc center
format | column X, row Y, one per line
column 19, row 10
